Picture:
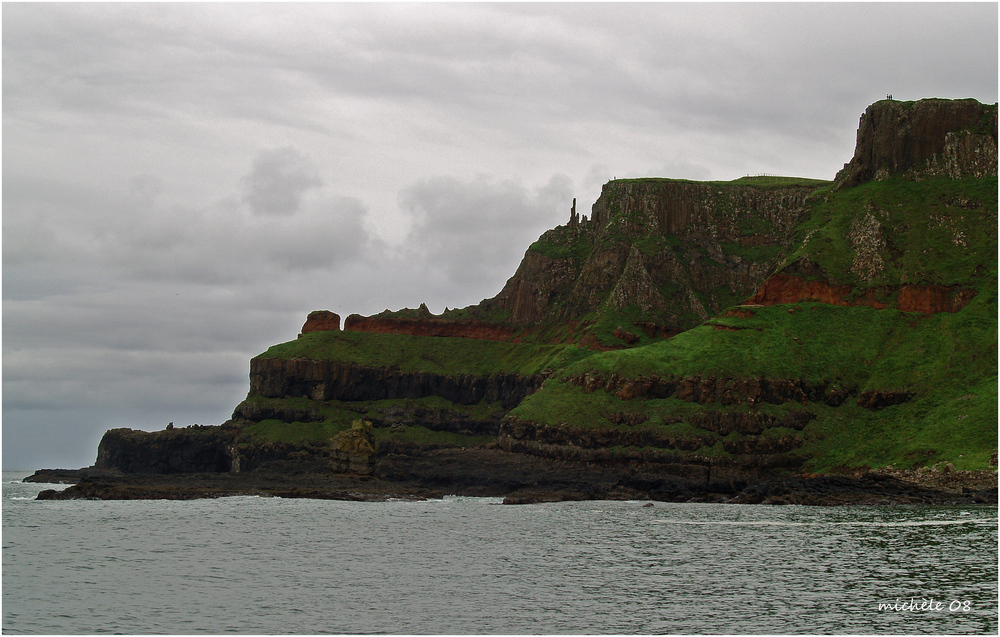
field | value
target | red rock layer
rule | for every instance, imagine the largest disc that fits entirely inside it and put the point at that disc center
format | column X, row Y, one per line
column 925, row 299
column 930, row 299
column 429, row 327
column 321, row 321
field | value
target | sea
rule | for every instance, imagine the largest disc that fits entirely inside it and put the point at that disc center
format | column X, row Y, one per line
column 469, row 566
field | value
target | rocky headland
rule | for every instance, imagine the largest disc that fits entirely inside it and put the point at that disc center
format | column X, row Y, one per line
column 766, row 340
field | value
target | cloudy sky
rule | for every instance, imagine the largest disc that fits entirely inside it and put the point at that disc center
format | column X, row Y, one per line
column 183, row 183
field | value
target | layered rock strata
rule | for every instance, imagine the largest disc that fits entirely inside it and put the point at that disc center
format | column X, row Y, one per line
column 324, row 380
column 923, row 299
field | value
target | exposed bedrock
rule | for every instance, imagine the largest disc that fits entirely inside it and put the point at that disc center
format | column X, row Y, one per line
column 435, row 419
column 252, row 411
column 321, row 321
column 925, row 299
column 428, row 327
column 957, row 138
column 684, row 230
column 748, row 423
column 520, row 435
column 180, row 450
column 331, row 380
column 699, row 210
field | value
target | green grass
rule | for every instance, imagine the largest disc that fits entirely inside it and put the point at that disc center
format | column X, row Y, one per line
column 451, row 356
column 564, row 243
column 957, row 426
column 949, row 361
column 930, row 237
column 754, row 225
column 338, row 417
column 935, row 231
column 756, row 254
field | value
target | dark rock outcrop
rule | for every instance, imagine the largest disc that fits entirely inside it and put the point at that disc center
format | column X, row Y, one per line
column 714, row 389
column 677, row 250
column 929, row 137
column 331, row 380
column 440, row 419
column 179, row 450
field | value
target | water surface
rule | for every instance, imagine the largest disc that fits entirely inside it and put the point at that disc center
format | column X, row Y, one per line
column 470, row 565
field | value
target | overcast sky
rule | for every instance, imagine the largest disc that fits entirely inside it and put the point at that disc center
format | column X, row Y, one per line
column 183, row 183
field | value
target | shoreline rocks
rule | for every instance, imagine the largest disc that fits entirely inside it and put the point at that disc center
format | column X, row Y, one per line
column 520, row 479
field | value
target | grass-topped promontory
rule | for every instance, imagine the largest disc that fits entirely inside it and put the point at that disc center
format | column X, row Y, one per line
column 447, row 356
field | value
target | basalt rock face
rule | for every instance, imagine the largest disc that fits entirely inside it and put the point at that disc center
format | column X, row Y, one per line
column 714, row 389
column 930, row 137
column 679, row 251
column 180, row 450
column 324, row 380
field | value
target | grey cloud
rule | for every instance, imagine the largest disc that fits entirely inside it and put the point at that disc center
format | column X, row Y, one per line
column 472, row 233
column 278, row 180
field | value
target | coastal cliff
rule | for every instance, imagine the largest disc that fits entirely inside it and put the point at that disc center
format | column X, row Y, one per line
column 658, row 256
column 325, row 380
column 740, row 341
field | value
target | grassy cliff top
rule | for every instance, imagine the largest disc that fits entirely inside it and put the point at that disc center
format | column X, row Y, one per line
column 448, row 356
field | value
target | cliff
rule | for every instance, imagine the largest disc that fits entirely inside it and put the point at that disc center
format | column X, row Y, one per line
column 956, row 138
column 688, row 340
column 325, row 380
column 657, row 257
column 880, row 316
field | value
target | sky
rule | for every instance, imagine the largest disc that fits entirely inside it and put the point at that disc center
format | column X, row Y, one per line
column 183, row 183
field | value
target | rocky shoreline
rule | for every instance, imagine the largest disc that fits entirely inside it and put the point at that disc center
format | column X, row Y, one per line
column 524, row 479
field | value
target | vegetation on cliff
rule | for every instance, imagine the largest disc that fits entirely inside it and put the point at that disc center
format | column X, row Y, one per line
column 717, row 330
column 453, row 356
column 937, row 370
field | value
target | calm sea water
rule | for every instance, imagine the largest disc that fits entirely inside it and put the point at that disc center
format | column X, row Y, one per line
column 469, row 565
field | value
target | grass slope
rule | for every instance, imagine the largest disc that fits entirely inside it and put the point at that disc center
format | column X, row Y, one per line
column 449, row 356
column 937, row 231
